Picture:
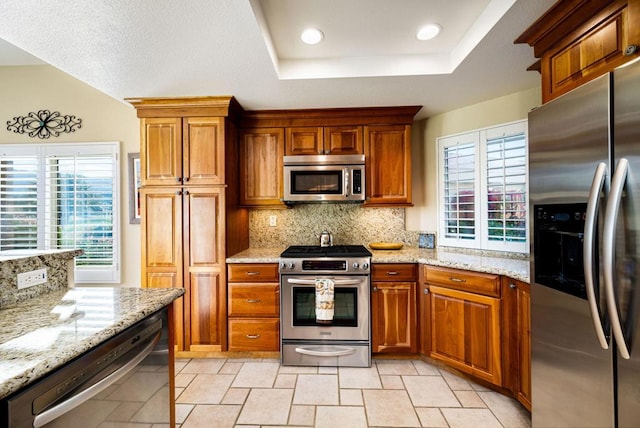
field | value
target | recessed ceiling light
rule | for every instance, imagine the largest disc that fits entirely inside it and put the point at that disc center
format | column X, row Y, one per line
column 428, row 32
column 312, row 36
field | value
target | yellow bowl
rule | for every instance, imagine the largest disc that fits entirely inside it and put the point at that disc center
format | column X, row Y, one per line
column 386, row 245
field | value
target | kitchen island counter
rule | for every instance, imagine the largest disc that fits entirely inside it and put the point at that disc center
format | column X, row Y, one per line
column 45, row 332
column 479, row 261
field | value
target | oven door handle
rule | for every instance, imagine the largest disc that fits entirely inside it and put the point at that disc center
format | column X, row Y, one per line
column 340, row 352
column 73, row 402
column 313, row 281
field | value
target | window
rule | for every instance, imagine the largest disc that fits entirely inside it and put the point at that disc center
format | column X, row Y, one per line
column 63, row 196
column 482, row 200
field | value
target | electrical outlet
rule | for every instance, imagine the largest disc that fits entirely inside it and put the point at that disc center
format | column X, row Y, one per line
column 34, row 277
column 273, row 221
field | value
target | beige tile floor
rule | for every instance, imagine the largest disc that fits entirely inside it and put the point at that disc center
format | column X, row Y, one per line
column 392, row 393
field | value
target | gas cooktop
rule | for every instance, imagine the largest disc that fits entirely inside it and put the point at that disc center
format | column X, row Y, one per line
column 301, row 251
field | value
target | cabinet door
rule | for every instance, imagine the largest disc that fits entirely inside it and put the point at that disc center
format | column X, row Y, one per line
column 161, row 151
column 261, row 171
column 388, row 165
column 205, row 271
column 516, row 326
column 203, row 150
column 393, row 307
column 161, row 234
column 343, row 140
column 304, row 141
column 465, row 332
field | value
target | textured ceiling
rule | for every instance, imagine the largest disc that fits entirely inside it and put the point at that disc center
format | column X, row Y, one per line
column 147, row 48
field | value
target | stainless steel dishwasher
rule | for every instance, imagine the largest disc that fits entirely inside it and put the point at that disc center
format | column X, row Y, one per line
column 126, row 379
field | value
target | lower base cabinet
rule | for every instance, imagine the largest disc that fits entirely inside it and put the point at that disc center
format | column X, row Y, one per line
column 393, row 308
column 516, row 322
column 464, row 327
column 254, row 307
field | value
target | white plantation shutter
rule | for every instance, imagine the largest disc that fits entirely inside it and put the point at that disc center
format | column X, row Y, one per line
column 483, row 189
column 76, row 194
column 19, row 200
column 459, row 191
column 506, row 191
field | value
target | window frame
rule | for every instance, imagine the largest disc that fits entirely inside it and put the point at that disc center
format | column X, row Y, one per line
column 481, row 137
column 81, row 274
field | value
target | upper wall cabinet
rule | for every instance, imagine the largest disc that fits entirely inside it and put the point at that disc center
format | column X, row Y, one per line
column 579, row 40
column 383, row 134
column 329, row 140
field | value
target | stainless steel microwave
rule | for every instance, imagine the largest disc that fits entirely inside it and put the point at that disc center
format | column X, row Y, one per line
column 324, row 178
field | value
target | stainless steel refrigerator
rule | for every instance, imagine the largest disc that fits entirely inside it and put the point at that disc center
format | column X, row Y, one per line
column 584, row 169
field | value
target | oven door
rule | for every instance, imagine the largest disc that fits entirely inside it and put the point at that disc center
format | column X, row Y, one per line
column 351, row 308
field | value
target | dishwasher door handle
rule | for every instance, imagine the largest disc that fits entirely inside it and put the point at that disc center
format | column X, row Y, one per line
column 73, row 402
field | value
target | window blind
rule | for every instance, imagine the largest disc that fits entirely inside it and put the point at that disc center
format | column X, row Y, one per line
column 63, row 196
column 459, row 191
column 506, row 188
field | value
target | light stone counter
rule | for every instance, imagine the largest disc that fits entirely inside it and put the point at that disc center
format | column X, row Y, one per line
column 516, row 268
column 49, row 330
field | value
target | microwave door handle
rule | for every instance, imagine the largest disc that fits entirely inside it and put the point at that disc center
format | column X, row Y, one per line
column 313, row 281
column 346, row 182
column 588, row 257
column 608, row 250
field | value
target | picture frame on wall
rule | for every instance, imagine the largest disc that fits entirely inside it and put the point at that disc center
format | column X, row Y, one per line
column 134, row 188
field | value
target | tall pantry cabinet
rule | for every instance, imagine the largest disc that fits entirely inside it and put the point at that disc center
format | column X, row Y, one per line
column 190, row 214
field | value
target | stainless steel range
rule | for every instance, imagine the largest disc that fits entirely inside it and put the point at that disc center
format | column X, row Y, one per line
column 325, row 306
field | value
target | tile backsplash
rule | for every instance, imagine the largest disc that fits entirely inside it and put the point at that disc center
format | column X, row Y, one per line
column 349, row 224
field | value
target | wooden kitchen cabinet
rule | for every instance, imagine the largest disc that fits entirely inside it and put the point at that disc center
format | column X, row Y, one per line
column 329, row 140
column 465, row 326
column 388, row 165
column 393, row 308
column 516, row 324
column 578, row 40
column 382, row 134
column 186, row 150
column 253, row 307
column 189, row 206
column 261, row 168
column 181, row 237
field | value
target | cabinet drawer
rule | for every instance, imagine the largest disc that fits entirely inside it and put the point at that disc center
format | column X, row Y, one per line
column 254, row 335
column 254, row 300
column 393, row 272
column 474, row 282
column 253, row 272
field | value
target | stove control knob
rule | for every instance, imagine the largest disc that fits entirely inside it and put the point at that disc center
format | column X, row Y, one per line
column 356, row 265
column 290, row 265
column 365, row 266
column 281, row 265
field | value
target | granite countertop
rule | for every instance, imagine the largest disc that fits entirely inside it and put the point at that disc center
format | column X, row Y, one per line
column 516, row 268
column 47, row 331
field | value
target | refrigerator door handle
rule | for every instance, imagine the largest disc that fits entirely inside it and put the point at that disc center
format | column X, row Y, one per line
column 608, row 250
column 589, row 232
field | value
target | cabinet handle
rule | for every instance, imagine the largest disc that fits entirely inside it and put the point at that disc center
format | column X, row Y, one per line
column 512, row 286
column 253, row 273
column 253, row 336
column 457, row 279
column 254, row 300
column 178, row 179
column 392, row 272
column 327, row 152
column 425, row 291
column 375, row 288
column 186, row 192
column 178, row 192
column 184, row 180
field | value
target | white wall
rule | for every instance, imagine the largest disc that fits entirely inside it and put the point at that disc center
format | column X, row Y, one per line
column 32, row 88
column 423, row 215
